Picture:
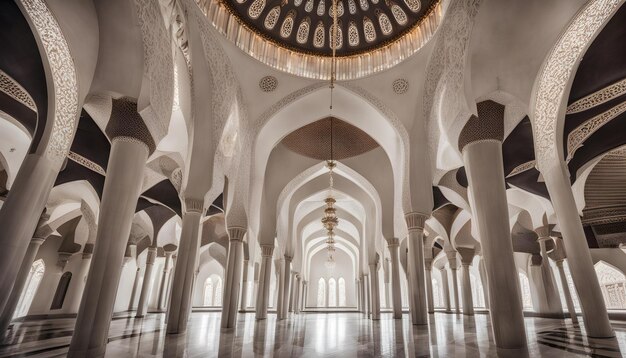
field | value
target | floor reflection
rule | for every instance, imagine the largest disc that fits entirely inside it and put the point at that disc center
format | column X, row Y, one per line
column 314, row 335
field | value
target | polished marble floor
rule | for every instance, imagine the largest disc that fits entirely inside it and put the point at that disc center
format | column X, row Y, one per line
column 313, row 335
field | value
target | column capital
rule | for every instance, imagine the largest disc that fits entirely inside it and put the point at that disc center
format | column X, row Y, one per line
column 236, row 233
column 415, row 221
column 267, row 250
column 64, row 257
column 126, row 124
column 87, row 255
column 543, row 232
column 467, row 255
column 487, row 126
column 152, row 254
column 193, row 205
column 559, row 263
column 37, row 241
column 428, row 264
column 288, row 258
column 393, row 242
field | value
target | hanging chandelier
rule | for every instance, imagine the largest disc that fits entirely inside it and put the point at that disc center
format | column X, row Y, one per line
column 330, row 220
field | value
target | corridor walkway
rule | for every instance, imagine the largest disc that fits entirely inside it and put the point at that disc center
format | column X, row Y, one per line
column 312, row 335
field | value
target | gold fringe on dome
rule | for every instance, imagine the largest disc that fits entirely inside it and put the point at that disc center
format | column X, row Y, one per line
column 315, row 66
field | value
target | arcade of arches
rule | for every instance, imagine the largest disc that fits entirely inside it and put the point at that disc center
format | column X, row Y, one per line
column 312, row 177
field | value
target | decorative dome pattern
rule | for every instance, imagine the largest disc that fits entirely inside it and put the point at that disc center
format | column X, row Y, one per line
column 364, row 25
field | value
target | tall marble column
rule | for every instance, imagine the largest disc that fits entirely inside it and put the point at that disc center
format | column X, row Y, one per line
column 566, row 292
column 417, row 298
column 280, row 263
column 146, row 288
column 20, row 283
column 130, row 148
column 264, row 281
column 593, row 307
column 296, row 296
column 374, row 287
column 446, row 289
column 243, row 301
column 20, row 215
column 387, row 276
column 133, row 293
column 167, row 267
column 480, row 143
column 185, row 269
column 233, row 276
column 467, row 256
column 394, row 249
column 428, row 265
column 283, row 309
column 77, row 284
column 305, row 292
column 453, row 263
column 357, row 286
column 552, row 299
column 292, row 292
column 484, row 281
column 366, row 295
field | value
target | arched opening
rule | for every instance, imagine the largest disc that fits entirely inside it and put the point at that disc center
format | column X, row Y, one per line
column 321, row 292
column 613, row 285
column 32, row 284
column 477, row 291
column 342, row 292
column 525, row 291
column 332, row 292
column 436, row 295
column 213, row 291
column 59, row 295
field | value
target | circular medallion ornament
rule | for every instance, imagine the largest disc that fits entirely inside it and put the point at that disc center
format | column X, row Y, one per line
column 268, row 83
column 400, row 86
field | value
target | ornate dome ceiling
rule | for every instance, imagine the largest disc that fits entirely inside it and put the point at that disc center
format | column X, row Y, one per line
column 295, row 35
column 306, row 25
column 313, row 140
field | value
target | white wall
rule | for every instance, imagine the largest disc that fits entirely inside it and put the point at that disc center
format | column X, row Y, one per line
column 344, row 268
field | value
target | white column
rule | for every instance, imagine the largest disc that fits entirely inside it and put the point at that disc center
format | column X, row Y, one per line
column 453, row 263
column 20, row 283
column 428, row 265
column 595, row 316
column 244, row 288
column 483, row 164
column 133, row 294
column 122, row 187
column 446, row 289
column 185, row 269
column 366, row 295
column 283, row 310
column 417, row 297
column 280, row 301
column 264, row 281
column 566, row 292
column 296, row 296
column 77, row 284
column 357, row 285
column 552, row 299
column 467, row 256
column 292, row 293
column 167, row 267
column 233, row 276
column 146, row 288
column 394, row 249
column 20, row 214
column 305, row 292
column 484, row 281
column 375, row 294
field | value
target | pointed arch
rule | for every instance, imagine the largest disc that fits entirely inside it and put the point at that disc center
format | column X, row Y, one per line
column 32, row 284
column 321, row 292
column 341, row 291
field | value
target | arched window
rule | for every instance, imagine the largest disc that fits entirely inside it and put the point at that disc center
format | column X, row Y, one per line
column 59, row 295
column 208, row 292
column 321, row 293
column 612, row 283
column 436, row 296
column 332, row 292
column 217, row 298
column 478, row 295
column 525, row 289
column 32, row 284
column 342, row 292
